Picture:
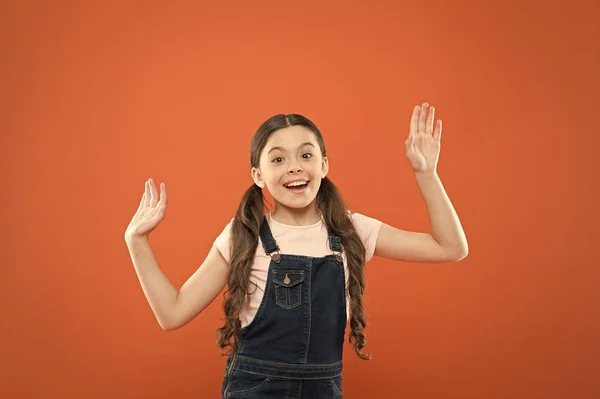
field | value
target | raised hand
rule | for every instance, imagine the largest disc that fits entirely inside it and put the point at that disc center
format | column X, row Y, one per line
column 423, row 148
column 150, row 212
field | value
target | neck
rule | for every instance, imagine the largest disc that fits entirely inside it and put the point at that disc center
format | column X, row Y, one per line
column 296, row 217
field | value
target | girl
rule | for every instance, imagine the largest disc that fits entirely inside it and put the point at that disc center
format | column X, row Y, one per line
column 289, row 299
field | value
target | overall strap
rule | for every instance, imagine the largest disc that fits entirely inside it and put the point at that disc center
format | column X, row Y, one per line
column 335, row 244
column 268, row 242
column 270, row 245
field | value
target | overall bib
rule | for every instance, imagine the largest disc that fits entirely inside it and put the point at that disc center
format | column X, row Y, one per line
column 293, row 346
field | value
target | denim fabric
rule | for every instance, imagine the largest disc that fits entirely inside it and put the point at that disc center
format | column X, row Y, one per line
column 293, row 346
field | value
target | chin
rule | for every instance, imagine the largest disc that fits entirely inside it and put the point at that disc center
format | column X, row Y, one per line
column 296, row 204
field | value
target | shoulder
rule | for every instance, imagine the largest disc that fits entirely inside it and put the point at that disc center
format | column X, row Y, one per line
column 368, row 229
column 366, row 226
column 361, row 220
column 222, row 241
column 227, row 227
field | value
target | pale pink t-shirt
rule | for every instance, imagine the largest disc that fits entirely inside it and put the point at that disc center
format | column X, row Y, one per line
column 295, row 240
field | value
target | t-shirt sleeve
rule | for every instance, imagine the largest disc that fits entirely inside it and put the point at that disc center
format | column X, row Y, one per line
column 368, row 230
column 222, row 242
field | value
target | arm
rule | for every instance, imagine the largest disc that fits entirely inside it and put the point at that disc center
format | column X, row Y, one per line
column 173, row 308
column 447, row 243
column 445, row 225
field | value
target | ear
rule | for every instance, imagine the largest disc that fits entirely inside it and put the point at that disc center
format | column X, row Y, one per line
column 325, row 167
column 255, row 173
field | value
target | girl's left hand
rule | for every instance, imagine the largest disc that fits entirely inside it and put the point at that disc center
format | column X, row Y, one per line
column 423, row 149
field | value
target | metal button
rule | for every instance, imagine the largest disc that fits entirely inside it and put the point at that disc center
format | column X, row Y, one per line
column 286, row 280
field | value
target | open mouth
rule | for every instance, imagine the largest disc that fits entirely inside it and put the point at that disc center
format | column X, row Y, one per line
column 297, row 187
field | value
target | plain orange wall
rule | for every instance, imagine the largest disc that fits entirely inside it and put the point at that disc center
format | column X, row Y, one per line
column 97, row 98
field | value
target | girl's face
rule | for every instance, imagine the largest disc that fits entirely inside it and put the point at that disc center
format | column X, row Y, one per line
column 291, row 154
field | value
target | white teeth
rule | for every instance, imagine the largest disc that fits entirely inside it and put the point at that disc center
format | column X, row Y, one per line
column 298, row 183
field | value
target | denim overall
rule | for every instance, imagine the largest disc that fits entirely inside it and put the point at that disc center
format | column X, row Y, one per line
column 293, row 346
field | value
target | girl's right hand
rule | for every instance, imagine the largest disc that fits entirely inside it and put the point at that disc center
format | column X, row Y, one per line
column 150, row 212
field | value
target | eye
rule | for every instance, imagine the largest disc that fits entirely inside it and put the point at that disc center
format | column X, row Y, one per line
column 306, row 153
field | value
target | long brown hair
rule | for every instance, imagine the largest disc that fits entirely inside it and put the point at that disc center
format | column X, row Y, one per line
column 245, row 233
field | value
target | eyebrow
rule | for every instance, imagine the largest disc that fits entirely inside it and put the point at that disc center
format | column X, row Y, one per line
column 283, row 149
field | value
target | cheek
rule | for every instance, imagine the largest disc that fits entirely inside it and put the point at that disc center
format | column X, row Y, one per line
column 272, row 180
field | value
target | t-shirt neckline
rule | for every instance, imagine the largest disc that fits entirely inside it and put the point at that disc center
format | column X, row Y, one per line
column 289, row 226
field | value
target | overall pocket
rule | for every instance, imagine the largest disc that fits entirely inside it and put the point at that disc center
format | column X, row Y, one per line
column 288, row 288
column 336, row 384
column 245, row 385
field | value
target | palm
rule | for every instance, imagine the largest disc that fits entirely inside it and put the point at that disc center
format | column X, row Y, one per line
column 150, row 212
column 423, row 148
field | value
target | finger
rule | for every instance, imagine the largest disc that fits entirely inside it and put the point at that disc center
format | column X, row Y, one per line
column 163, row 194
column 142, row 202
column 414, row 121
column 422, row 117
column 146, row 194
column 153, row 195
column 430, row 119
column 437, row 134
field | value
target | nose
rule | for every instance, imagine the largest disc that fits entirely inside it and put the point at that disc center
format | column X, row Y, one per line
column 294, row 168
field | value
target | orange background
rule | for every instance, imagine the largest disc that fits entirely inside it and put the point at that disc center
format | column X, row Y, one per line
column 97, row 98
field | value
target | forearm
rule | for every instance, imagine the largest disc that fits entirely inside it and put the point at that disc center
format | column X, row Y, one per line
column 160, row 293
column 445, row 225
